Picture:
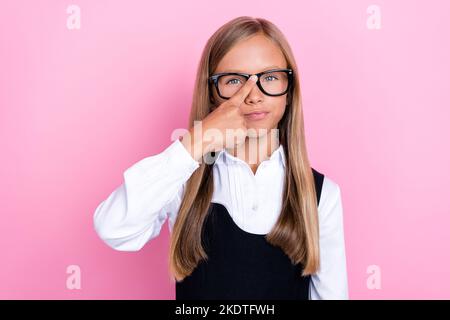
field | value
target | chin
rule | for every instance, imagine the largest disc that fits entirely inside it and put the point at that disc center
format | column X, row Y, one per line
column 256, row 131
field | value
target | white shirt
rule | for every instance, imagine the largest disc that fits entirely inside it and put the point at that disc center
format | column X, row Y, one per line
column 153, row 189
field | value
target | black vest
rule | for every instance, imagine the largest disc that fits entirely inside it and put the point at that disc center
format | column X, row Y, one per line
column 243, row 265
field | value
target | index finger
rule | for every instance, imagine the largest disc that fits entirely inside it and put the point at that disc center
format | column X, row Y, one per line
column 243, row 92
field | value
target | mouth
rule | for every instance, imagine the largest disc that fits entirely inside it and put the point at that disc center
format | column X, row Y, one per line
column 258, row 115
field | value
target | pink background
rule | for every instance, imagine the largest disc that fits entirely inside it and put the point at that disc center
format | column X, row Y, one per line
column 78, row 107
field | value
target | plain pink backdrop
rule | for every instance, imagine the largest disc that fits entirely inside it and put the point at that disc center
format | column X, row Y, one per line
column 78, row 107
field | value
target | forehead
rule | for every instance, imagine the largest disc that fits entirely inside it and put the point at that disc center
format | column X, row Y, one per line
column 252, row 55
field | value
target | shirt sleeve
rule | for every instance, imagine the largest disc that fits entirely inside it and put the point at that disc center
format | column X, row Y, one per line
column 330, row 282
column 152, row 190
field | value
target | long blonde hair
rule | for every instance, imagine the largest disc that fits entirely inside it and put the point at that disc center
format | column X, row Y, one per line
column 296, row 231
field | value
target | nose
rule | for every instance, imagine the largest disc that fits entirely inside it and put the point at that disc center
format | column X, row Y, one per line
column 255, row 96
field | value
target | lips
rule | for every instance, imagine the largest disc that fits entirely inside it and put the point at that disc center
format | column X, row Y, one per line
column 257, row 115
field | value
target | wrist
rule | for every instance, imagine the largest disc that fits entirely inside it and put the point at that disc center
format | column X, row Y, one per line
column 196, row 147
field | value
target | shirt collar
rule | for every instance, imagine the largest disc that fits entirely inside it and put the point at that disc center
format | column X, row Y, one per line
column 225, row 157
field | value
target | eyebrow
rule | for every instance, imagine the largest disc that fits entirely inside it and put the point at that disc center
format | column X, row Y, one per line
column 265, row 69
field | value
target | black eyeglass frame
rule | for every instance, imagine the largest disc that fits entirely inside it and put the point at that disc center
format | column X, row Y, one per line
column 290, row 73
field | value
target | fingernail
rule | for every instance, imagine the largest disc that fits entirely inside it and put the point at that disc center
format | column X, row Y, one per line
column 253, row 77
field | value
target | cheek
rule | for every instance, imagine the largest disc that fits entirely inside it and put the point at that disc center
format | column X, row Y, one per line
column 278, row 111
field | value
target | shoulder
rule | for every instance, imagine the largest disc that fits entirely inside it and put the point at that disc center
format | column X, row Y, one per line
column 330, row 188
column 330, row 204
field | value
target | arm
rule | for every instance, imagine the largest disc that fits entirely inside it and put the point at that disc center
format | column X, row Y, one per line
column 152, row 190
column 330, row 282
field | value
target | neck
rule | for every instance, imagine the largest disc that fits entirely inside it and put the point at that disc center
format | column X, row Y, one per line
column 255, row 149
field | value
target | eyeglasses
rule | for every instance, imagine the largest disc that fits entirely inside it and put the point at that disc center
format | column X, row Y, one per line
column 275, row 82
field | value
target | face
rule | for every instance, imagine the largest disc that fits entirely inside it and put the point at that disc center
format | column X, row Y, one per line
column 254, row 55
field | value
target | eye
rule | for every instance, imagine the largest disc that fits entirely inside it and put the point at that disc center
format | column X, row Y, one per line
column 271, row 77
column 233, row 81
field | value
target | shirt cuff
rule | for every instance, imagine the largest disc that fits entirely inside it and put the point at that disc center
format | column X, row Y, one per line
column 179, row 159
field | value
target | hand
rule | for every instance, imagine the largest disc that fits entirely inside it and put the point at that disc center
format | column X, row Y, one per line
column 227, row 115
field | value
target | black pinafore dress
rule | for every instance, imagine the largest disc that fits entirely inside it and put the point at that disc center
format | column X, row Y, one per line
column 243, row 265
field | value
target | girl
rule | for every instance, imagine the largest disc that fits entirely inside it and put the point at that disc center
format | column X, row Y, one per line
column 270, row 228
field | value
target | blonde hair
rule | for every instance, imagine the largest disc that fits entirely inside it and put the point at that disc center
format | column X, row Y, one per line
column 296, row 231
